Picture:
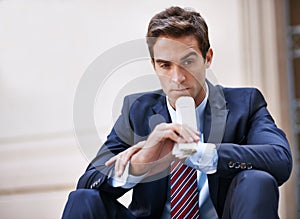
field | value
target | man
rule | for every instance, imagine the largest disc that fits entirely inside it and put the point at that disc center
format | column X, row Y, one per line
column 237, row 168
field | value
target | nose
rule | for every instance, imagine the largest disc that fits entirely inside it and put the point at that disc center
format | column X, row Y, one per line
column 178, row 74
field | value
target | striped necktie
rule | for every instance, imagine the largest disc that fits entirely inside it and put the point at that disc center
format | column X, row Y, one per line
column 184, row 192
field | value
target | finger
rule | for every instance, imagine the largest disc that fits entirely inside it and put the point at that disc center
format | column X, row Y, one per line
column 186, row 132
column 174, row 136
column 192, row 130
column 140, row 144
column 189, row 134
column 118, row 167
column 174, row 132
column 124, row 158
column 111, row 161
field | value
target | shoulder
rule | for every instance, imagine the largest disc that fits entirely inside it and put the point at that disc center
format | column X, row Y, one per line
column 138, row 105
column 235, row 96
column 145, row 98
column 239, row 97
column 149, row 94
column 144, row 111
column 242, row 94
column 248, row 97
column 240, row 91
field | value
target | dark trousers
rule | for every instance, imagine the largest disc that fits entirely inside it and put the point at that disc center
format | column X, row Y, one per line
column 252, row 194
column 91, row 204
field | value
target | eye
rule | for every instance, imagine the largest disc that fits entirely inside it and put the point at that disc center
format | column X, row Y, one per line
column 164, row 65
column 188, row 62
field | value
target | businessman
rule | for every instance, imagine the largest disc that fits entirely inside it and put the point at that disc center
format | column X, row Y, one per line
column 238, row 160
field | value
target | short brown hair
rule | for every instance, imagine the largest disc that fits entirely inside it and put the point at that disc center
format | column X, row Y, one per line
column 177, row 22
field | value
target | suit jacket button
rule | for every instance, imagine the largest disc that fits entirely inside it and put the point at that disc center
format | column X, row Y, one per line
column 230, row 164
column 237, row 165
column 243, row 165
column 249, row 166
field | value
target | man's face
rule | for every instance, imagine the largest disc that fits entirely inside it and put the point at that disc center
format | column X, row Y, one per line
column 179, row 64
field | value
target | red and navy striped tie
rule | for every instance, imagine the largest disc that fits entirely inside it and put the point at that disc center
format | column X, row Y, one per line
column 184, row 192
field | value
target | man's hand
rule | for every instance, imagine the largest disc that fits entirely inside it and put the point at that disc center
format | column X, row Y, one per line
column 156, row 153
column 123, row 157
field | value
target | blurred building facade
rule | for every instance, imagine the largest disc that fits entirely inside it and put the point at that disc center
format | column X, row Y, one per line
column 47, row 46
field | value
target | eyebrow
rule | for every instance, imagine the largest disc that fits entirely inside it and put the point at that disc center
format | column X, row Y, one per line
column 181, row 59
column 161, row 61
column 188, row 55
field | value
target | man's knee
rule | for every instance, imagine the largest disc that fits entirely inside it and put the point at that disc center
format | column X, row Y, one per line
column 91, row 203
column 256, row 178
column 84, row 195
column 252, row 194
column 82, row 203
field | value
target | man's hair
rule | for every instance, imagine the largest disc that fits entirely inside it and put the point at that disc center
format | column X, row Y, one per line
column 178, row 22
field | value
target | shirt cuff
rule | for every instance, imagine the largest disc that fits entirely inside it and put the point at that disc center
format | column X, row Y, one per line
column 205, row 159
column 126, row 181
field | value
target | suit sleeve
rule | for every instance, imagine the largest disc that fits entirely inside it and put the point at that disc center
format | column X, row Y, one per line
column 264, row 147
column 120, row 138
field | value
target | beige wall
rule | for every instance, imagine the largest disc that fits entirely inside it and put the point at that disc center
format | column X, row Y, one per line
column 46, row 46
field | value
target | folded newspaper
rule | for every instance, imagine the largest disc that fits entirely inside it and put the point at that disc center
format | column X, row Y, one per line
column 182, row 151
column 185, row 114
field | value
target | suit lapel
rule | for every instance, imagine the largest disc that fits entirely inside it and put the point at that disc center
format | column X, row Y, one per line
column 215, row 115
column 214, row 128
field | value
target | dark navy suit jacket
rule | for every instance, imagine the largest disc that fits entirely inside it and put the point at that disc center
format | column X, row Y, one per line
column 236, row 120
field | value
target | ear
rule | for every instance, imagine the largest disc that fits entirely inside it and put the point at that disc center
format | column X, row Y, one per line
column 209, row 57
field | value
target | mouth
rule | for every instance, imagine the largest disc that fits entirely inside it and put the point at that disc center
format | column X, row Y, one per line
column 180, row 90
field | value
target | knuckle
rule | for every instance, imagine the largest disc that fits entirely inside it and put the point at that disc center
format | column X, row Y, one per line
column 162, row 125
